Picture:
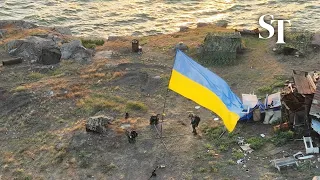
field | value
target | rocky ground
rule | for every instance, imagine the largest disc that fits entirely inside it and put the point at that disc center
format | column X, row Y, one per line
column 43, row 109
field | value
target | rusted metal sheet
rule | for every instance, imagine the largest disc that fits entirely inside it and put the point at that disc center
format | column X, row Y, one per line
column 315, row 107
column 302, row 84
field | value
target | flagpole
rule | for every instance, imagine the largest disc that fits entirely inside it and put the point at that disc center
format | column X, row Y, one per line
column 166, row 95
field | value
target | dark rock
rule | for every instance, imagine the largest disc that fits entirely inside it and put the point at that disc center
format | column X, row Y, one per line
column 183, row 28
column 222, row 23
column 114, row 38
column 316, row 39
column 29, row 48
column 50, row 56
column 75, row 50
column 202, row 24
column 63, row 30
column 181, row 46
column 98, row 123
column 16, row 24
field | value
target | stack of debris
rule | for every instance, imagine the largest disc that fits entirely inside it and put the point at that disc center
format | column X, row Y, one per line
column 298, row 96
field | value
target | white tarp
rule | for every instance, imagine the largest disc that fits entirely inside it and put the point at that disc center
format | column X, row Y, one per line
column 249, row 101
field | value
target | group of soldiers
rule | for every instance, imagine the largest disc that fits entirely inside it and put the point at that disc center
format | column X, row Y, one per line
column 154, row 120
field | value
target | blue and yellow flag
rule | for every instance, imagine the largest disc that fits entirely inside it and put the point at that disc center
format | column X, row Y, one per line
column 197, row 83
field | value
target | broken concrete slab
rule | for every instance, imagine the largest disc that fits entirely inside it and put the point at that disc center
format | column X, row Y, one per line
column 284, row 162
column 246, row 148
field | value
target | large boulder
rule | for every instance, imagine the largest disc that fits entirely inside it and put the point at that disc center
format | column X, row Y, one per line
column 98, row 123
column 50, row 56
column 16, row 24
column 29, row 48
column 181, row 46
column 75, row 50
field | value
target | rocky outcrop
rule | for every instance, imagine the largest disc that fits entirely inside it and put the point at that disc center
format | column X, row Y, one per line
column 16, row 24
column 75, row 50
column 50, row 56
column 98, row 123
column 62, row 30
column 29, row 48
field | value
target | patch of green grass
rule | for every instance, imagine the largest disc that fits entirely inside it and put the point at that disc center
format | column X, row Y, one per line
column 224, row 142
column 231, row 162
column 202, row 170
column 108, row 167
column 36, row 75
column 208, row 146
column 265, row 90
column 92, row 43
column 281, row 138
column 253, row 42
column 98, row 102
column 20, row 88
column 136, row 106
column 214, row 169
column 256, row 142
column 237, row 154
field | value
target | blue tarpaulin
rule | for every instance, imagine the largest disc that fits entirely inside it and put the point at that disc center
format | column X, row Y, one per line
column 315, row 125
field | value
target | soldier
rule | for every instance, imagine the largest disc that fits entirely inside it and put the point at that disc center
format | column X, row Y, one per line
column 154, row 119
column 194, row 122
column 131, row 136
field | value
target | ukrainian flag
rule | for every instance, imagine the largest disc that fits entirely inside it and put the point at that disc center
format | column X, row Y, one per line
column 197, row 83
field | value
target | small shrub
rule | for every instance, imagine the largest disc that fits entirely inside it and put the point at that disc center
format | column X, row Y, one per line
column 231, row 162
column 237, row 154
column 214, row 169
column 136, row 106
column 208, row 146
column 265, row 90
column 20, row 88
column 223, row 147
column 282, row 138
column 256, row 142
column 92, row 43
column 108, row 168
column 214, row 133
column 35, row 75
column 202, row 170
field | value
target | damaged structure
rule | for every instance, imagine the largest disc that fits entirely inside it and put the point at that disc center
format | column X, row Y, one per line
column 300, row 99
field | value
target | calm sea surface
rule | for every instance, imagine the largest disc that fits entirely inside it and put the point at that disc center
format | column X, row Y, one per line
column 145, row 17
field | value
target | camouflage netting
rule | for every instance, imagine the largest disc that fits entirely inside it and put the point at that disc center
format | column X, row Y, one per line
column 297, row 41
column 220, row 48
